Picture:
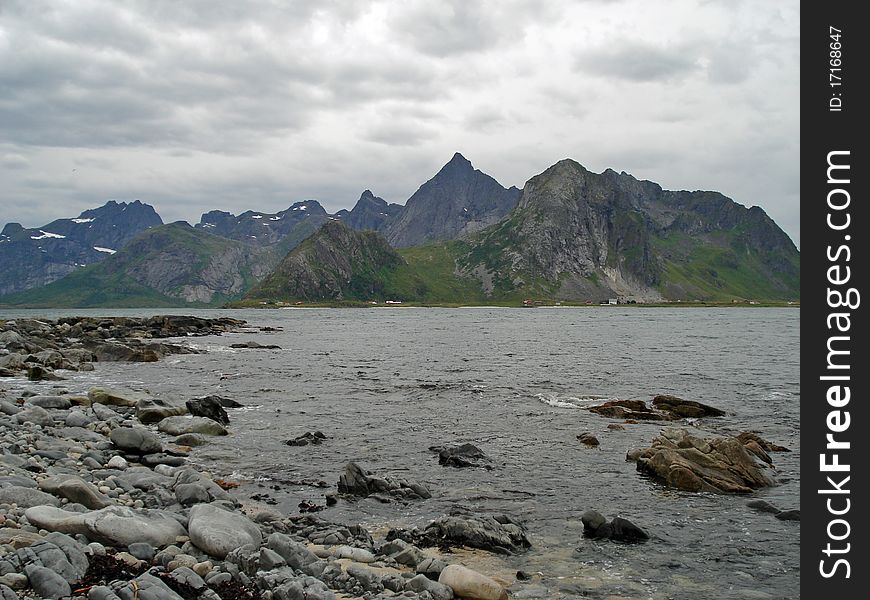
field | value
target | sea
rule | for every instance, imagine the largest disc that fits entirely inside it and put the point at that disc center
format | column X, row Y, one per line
column 386, row 384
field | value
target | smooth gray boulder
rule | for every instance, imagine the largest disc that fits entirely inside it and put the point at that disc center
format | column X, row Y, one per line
column 186, row 424
column 34, row 414
column 113, row 526
column 25, row 497
column 136, row 440
column 86, row 494
column 47, row 583
column 218, row 532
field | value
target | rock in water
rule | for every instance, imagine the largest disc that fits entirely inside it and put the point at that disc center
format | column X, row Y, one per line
column 465, row 455
column 686, row 462
column 115, row 397
column 494, row 533
column 218, row 532
column 209, row 407
column 186, row 424
column 682, row 409
column 154, row 410
column 466, row 583
column 358, row 482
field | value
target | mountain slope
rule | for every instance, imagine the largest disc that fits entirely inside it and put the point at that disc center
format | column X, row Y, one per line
column 370, row 213
column 578, row 235
column 263, row 228
column 36, row 257
column 171, row 265
column 457, row 201
column 336, row 263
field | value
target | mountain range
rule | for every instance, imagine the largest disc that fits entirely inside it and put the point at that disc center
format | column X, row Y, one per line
column 568, row 235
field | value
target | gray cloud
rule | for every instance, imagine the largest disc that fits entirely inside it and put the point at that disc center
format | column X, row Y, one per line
column 255, row 104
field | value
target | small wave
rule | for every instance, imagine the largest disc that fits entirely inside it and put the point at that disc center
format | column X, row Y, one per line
column 564, row 401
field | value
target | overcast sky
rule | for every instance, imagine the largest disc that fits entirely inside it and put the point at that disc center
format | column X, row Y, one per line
column 256, row 104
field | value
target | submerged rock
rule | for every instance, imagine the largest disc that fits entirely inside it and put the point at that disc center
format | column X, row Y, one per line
column 686, row 462
column 682, row 409
column 464, row 455
column 499, row 534
column 357, row 481
column 209, row 407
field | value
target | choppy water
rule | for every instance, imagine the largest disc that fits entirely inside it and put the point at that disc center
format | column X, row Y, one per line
column 385, row 384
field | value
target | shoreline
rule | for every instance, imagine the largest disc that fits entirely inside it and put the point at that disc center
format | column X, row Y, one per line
column 98, row 500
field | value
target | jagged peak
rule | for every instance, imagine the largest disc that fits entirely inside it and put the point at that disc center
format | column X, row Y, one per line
column 457, row 164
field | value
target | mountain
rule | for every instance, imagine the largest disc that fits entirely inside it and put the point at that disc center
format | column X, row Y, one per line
column 264, row 228
column 170, row 265
column 457, row 201
column 574, row 235
column 370, row 213
column 578, row 235
column 36, row 257
column 336, row 263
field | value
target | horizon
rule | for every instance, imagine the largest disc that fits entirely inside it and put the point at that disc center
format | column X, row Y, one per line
column 193, row 220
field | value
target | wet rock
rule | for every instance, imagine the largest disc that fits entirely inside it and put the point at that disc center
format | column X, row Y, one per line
column 38, row 373
column 623, row 530
column 464, row 455
column 188, row 424
column 470, row 584
column 358, row 482
column 222, row 400
column 191, row 493
column 748, row 436
column 115, row 397
column 154, row 410
column 628, row 409
column 588, row 439
column 142, row 551
column 218, row 532
column 136, row 440
column 191, row 439
column 763, row 506
column 686, row 462
column 494, row 533
column 208, row 407
column 682, row 409
column 255, row 345
column 114, row 525
column 789, row 515
column 308, row 438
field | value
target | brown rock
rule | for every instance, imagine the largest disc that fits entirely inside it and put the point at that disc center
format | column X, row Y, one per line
column 682, row 409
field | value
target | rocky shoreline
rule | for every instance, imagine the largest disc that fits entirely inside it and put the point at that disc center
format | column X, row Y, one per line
column 98, row 501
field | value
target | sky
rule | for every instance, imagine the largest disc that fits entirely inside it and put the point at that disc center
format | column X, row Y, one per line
column 256, row 104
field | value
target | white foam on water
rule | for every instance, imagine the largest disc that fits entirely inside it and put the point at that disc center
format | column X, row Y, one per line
column 564, row 401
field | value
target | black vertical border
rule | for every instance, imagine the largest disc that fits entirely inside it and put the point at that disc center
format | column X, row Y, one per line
column 824, row 131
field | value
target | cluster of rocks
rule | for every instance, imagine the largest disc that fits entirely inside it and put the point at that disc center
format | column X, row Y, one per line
column 596, row 526
column 498, row 533
column 308, row 438
column 718, row 464
column 39, row 347
column 664, row 408
column 95, row 504
column 356, row 481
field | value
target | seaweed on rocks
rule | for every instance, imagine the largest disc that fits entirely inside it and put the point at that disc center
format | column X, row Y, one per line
column 103, row 569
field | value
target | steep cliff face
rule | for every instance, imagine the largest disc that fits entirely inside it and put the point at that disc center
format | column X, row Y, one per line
column 171, row 265
column 370, row 213
column 264, row 228
column 336, row 263
column 36, row 257
column 457, row 201
column 579, row 235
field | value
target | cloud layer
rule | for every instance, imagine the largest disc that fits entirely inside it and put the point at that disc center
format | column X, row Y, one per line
column 256, row 104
